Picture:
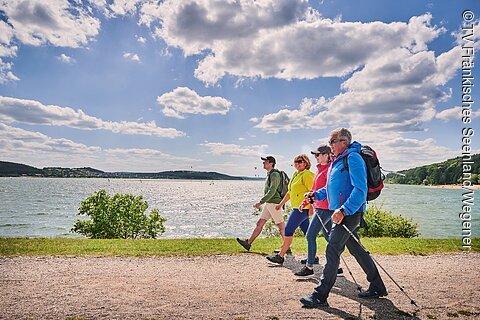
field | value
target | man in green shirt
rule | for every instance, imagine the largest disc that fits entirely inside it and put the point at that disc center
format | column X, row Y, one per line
column 271, row 198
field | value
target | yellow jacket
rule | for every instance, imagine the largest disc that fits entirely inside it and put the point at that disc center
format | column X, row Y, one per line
column 300, row 184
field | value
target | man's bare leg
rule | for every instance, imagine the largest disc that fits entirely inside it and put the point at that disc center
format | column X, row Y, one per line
column 258, row 229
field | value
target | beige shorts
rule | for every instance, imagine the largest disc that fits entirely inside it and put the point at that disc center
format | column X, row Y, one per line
column 270, row 212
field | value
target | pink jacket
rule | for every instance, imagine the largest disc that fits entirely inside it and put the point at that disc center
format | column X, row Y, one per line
column 319, row 181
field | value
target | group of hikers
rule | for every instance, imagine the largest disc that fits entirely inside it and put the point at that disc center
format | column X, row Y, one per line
column 335, row 197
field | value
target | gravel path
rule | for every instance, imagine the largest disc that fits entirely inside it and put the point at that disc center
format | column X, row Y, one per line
column 228, row 287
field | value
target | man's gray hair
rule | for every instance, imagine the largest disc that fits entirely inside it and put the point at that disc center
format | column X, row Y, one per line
column 342, row 133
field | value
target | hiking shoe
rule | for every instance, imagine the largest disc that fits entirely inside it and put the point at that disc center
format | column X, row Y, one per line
column 372, row 294
column 276, row 259
column 340, row 273
column 315, row 261
column 289, row 251
column 313, row 302
column 305, row 273
column 244, row 243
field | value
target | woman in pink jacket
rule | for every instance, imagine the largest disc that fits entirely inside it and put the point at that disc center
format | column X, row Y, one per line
column 323, row 157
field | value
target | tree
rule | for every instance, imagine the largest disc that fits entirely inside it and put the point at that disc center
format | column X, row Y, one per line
column 120, row 216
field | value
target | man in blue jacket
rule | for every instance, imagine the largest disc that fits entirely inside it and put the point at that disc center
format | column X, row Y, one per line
column 346, row 191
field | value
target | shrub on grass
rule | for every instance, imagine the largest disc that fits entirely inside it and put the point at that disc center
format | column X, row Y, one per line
column 119, row 216
column 382, row 223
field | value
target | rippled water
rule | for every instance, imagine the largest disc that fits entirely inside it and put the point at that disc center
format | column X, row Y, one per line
column 47, row 207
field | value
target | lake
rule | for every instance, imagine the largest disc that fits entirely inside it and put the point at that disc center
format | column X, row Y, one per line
column 47, row 207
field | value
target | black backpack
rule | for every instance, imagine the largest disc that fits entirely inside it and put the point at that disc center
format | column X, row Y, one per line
column 375, row 175
column 284, row 181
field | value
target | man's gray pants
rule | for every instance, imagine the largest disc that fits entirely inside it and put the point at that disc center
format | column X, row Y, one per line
column 338, row 239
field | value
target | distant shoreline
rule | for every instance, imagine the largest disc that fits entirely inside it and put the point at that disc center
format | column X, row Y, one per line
column 453, row 186
column 141, row 179
column 438, row 186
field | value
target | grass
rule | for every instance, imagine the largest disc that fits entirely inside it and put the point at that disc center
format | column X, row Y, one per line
column 200, row 247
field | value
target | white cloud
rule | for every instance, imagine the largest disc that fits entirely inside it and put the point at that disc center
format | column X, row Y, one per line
column 58, row 22
column 20, row 140
column 5, row 73
column 195, row 25
column 131, row 56
column 184, row 100
column 6, row 33
column 66, row 59
column 20, row 145
column 455, row 113
column 404, row 153
column 34, row 112
column 290, row 119
column 281, row 39
column 396, row 92
column 165, row 52
column 123, row 7
column 7, row 50
column 141, row 39
column 236, row 150
column 135, row 57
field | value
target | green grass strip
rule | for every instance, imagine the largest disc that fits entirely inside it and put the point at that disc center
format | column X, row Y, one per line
column 200, row 247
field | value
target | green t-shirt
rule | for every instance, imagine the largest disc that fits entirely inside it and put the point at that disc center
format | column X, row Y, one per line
column 271, row 188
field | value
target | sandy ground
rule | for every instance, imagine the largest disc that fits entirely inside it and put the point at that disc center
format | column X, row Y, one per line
column 228, row 287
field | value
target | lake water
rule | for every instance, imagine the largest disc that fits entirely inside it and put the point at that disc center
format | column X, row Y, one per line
column 47, row 207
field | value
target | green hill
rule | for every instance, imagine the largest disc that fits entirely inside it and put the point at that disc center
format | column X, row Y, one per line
column 11, row 169
column 446, row 172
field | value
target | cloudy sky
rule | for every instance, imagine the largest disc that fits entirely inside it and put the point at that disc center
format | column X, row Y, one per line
column 147, row 85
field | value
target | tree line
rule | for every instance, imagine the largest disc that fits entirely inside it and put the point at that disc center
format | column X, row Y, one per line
column 446, row 172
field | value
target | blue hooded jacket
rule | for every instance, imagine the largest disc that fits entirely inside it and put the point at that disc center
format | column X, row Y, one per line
column 346, row 189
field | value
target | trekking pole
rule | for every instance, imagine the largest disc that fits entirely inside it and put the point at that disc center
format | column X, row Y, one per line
column 359, row 288
column 378, row 264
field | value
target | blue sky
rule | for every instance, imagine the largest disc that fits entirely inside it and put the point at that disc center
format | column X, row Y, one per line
column 149, row 86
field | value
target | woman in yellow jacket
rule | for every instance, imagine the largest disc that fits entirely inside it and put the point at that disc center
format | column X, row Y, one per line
column 301, row 183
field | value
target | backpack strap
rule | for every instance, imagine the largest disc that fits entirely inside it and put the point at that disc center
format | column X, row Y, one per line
column 345, row 162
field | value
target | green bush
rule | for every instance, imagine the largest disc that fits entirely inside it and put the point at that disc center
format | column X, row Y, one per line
column 119, row 216
column 380, row 223
column 383, row 223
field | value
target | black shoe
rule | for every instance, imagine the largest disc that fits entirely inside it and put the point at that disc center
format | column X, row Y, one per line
column 313, row 302
column 372, row 294
column 340, row 273
column 315, row 261
column 305, row 273
column 276, row 259
column 289, row 251
column 244, row 243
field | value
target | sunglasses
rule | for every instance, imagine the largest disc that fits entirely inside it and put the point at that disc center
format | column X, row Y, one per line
column 298, row 161
column 335, row 141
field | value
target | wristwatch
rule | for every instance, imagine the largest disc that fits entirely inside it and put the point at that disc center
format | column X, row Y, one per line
column 343, row 212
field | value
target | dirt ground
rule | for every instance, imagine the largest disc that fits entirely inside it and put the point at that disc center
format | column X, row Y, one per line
column 229, row 287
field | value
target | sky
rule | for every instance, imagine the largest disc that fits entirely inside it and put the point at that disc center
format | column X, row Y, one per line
column 148, row 86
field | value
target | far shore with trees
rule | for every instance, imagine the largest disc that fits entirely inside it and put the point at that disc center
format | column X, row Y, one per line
column 449, row 172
